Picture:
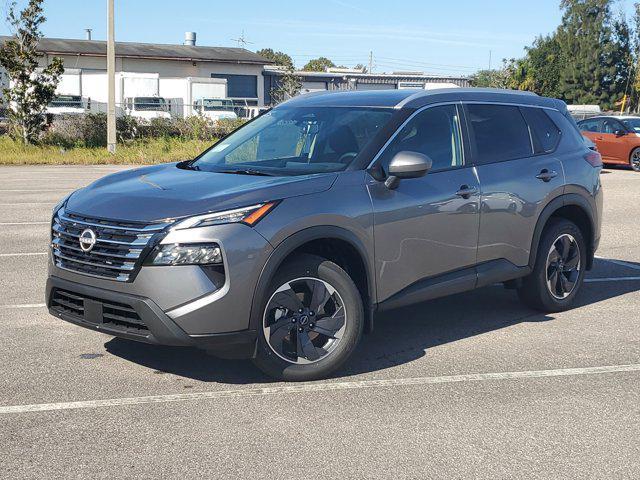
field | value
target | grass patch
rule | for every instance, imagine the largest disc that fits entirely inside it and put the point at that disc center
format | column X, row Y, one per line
column 141, row 152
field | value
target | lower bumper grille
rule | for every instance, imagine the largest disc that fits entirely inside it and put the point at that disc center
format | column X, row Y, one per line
column 116, row 316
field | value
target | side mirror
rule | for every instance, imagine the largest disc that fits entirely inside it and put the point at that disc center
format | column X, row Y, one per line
column 619, row 133
column 407, row 165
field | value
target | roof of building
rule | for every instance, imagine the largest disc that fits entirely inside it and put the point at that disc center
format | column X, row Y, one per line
column 413, row 98
column 64, row 46
column 373, row 77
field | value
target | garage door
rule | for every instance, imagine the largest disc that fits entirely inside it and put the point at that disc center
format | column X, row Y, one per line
column 308, row 87
column 375, row 86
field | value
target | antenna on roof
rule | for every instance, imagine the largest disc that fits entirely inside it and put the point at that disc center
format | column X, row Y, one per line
column 241, row 41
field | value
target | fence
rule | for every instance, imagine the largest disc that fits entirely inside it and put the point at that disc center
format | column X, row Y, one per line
column 147, row 108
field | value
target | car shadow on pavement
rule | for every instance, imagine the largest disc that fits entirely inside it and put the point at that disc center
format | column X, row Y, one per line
column 400, row 336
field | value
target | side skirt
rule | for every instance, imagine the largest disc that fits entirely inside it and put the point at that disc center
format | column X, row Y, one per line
column 458, row 281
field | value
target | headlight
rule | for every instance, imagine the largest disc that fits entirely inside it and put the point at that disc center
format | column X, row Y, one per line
column 247, row 215
column 186, row 254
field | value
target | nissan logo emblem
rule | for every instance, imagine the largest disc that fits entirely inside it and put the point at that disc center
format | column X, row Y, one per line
column 87, row 240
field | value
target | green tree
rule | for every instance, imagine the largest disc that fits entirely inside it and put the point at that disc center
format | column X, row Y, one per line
column 539, row 70
column 319, row 64
column 496, row 78
column 31, row 88
column 593, row 52
column 279, row 58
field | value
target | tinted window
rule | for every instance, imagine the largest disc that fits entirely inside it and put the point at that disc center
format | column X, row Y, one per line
column 610, row 126
column 434, row 132
column 589, row 125
column 546, row 134
column 240, row 86
column 632, row 124
column 500, row 133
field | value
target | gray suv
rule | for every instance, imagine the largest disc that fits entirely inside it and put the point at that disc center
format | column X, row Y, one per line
column 282, row 241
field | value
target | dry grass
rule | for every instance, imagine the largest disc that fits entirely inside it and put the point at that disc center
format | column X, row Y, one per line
column 141, row 153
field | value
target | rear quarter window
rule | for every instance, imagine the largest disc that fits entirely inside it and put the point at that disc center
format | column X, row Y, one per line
column 544, row 133
column 499, row 132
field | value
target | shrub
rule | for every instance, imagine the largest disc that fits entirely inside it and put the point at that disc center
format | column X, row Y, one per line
column 90, row 130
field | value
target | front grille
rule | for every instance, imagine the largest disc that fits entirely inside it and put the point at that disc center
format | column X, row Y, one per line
column 114, row 315
column 116, row 254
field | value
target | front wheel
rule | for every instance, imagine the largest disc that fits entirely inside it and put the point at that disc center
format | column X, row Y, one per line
column 312, row 320
column 559, row 269
column 634, row 159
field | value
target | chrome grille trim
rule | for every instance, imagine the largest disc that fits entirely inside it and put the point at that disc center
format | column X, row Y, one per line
column 117, row 252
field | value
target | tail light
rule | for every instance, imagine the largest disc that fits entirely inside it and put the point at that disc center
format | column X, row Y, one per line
column 594, row 159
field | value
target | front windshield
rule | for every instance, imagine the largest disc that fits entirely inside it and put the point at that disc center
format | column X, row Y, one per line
column 149, row 103
column 211, row 104
column 297, row 141
column 72, row 101
column 632, row 124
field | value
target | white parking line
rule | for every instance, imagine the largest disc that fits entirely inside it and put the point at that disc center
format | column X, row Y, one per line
column 317, row 387
column 38, row 190
column 26, row 203
column 4, row 224
column 620, row 262
column 27, row 254
column 23, row 305
column 611, row 279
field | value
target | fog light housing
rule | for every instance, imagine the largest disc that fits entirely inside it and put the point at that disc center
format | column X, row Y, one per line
column 186, row 254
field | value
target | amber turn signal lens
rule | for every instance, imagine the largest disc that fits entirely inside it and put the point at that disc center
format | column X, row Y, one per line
column 255, row 216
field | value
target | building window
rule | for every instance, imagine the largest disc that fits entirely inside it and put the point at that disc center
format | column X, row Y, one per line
column 239, row 86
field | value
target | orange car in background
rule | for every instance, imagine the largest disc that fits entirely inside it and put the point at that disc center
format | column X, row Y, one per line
column 617, row 139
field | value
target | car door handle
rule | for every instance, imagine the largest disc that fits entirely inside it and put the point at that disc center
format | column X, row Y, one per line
column 466, row 191
column 546, row 175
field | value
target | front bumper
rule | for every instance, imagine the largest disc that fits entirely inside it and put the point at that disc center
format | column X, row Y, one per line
column 136, row 318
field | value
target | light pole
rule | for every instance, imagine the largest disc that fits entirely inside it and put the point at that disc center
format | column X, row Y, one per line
column 111, row 78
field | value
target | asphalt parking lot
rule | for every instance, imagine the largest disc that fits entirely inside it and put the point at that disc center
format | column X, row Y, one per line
column 470, row 386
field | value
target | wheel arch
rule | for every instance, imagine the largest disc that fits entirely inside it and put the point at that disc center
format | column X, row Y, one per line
column 337, row 244
column 572, row 207
column 633, row 149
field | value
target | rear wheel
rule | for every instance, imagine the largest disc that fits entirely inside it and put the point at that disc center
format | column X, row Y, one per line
column 312, row 321
column 559, row 269
column 634, row 159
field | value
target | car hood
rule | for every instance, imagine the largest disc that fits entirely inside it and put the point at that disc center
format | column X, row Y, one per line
column 166, row 191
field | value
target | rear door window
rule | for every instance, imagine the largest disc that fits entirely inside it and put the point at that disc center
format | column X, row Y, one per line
column 589, row 126
column 544, row 132
column 500, row 133
column 611, row 126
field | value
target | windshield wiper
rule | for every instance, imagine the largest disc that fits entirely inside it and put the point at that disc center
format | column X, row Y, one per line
column 247, row 171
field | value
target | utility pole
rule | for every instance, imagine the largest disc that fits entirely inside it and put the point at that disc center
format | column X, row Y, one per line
column 370, row 61
column 111, row 78
column 490, row 52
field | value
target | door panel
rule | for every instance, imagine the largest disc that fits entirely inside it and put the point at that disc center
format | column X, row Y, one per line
column 610, row 147
column 426, row 226
column 512, row 199
column 613, row 148
column 516, row 183
column 423, row 229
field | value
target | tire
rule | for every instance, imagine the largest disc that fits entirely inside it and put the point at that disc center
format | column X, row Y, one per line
column 541, row 290
column 286, row 354
column 634, row 160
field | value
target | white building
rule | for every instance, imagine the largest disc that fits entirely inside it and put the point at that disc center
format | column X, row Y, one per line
column 241, row 68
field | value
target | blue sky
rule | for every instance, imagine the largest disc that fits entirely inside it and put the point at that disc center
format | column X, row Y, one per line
column 440, row 37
